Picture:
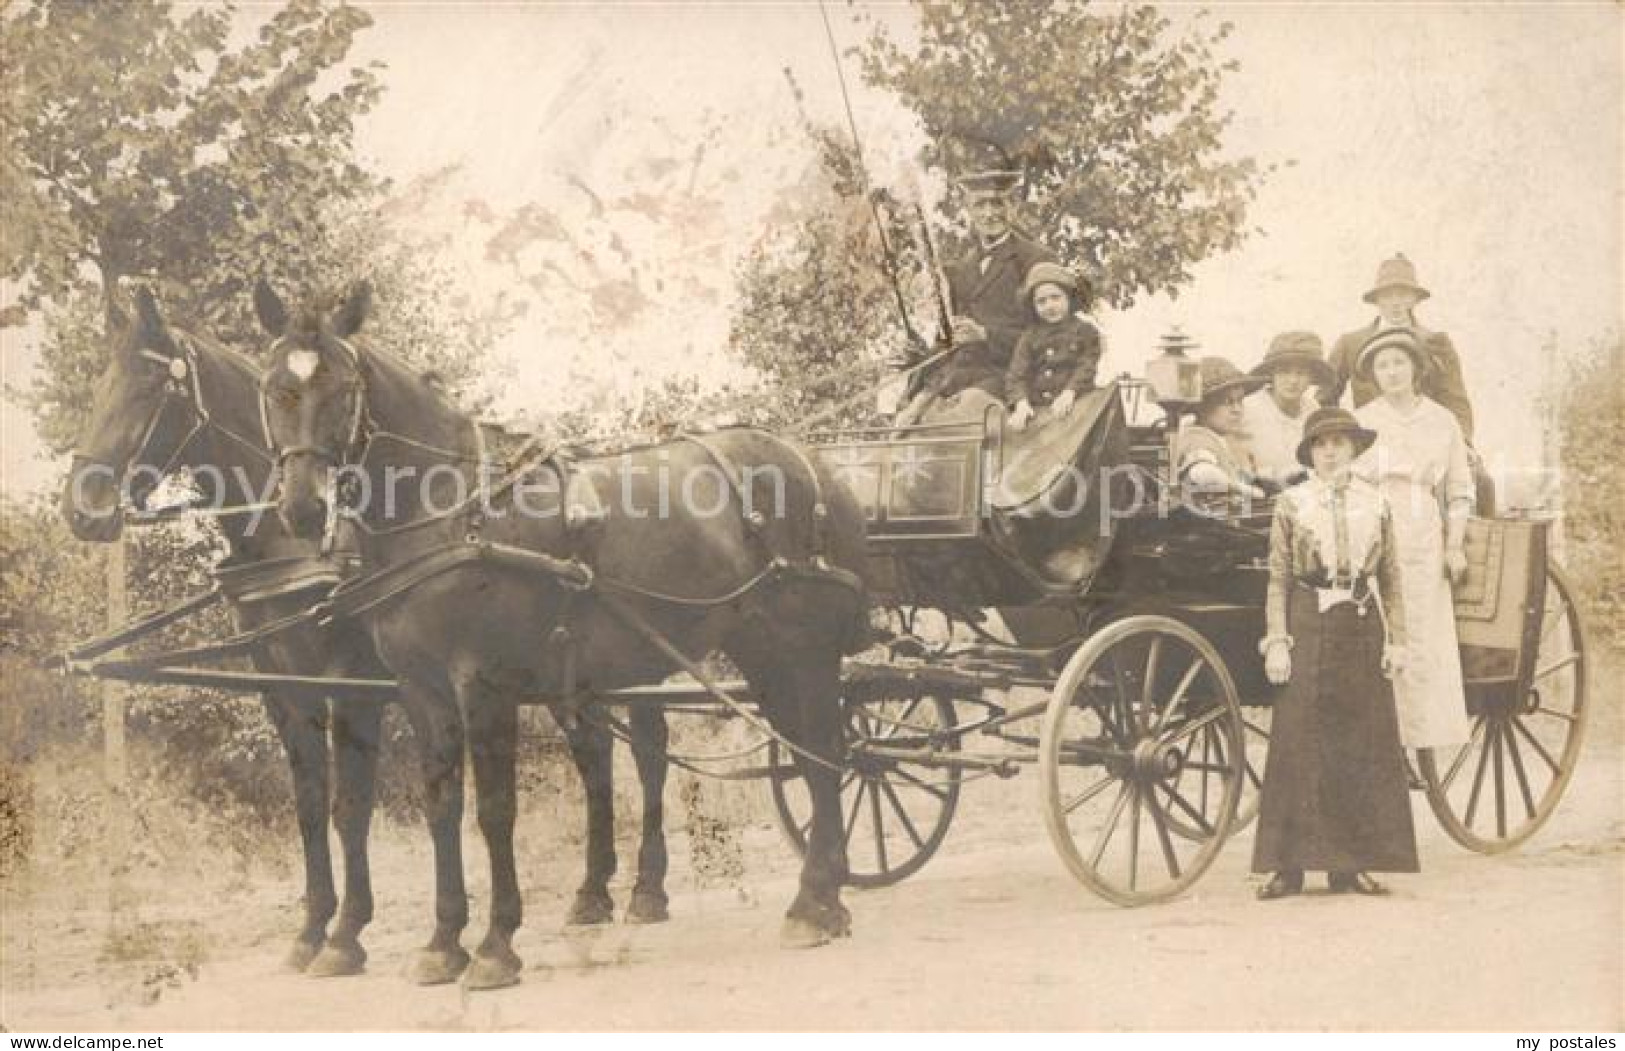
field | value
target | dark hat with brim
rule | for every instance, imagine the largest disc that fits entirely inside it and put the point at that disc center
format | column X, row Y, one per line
column 1300, row 349
column 988, row 183
column 1328, row 421
column 1399, row 338
column 1219, row 377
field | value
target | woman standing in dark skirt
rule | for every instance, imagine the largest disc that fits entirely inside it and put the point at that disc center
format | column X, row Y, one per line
column 1334, row 798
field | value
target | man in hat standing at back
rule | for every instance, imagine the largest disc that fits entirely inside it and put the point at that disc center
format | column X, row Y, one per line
column 1396, row 294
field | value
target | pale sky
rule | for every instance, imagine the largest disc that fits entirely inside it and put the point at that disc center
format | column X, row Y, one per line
column 1484, row 141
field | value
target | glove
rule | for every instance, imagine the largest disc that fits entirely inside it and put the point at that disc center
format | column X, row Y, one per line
column 1455, row 564
column 968, row 330
column 1062, row 405
column 1278, row 664
column 1021, row 415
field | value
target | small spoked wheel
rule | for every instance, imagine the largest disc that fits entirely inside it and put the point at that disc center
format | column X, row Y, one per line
column 1499, row 788
column 895, row 813
column 1142, row 760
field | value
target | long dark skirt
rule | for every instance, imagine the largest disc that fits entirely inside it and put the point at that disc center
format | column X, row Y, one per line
column 1335, row 797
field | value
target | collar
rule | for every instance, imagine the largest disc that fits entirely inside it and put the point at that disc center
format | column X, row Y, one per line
column 990, row 248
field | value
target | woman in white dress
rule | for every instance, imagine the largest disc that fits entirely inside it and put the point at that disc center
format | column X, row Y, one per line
column 1419, row 461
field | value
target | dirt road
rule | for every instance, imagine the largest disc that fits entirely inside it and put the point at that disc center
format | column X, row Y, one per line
column 991, row 935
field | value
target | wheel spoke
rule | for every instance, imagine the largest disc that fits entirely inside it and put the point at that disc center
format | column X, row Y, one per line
column 1461, row 756
column 1089, row 793
column 1192, row 727
column 902, row 815
column 1130, row 716
column 1153, row 651
column 1179, row 692
column 1540, row 749
column 1567, row 717
column 1111, row 824
column 852, row 815
column 1511, row 744
column 1134, row 839
column 1555, row 667
column 1168, row 855
column 1478, row 776
column 924, row 786
column 1184, row 804
column 1500, row 783
column 880, row 827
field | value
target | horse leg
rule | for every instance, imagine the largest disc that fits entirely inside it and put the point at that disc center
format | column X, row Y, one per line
column 299, row 725
column 649, row 738
column 437, row 726
column 590, row 746
column 493, row 739
column 800, row 696
column 356, row 730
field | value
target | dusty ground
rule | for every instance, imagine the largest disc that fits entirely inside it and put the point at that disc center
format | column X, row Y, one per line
column 991, row 935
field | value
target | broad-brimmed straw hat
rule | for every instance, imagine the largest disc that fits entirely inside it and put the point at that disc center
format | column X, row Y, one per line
column 1301, row 349
column 1220, row 377
column 1333, row 420
column 1397, row 272
column 1399, row 337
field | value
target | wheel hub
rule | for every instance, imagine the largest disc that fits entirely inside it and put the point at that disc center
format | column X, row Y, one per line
column 1157, row 761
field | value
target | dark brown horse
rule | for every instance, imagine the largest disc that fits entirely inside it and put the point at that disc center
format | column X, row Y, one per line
column 170, row 400
column 597, row 578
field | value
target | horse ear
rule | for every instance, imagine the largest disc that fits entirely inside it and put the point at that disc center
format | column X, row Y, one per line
column 152, row 320
column 347, row 322
column 268, row 306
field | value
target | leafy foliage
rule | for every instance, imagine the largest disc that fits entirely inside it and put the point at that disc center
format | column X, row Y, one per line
column 1116, row 124
column 1591, row 415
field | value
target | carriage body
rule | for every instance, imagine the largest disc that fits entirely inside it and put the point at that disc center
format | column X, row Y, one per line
column 1139, row 607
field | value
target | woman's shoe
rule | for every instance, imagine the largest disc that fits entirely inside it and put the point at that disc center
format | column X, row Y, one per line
column 1281, row 885
column 1354, row 883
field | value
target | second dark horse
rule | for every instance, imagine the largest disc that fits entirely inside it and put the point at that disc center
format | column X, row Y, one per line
column 766, row 572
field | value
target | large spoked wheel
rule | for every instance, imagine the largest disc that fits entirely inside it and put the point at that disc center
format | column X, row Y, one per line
column 1498, row 789
column 895, row 814
column 1142, row 760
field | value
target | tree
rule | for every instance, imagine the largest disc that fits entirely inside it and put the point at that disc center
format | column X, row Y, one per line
column 1590, row 408
column 138, row 144
column 1116, row 125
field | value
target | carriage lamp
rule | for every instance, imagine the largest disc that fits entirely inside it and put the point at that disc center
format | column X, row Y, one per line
column 1175, row 378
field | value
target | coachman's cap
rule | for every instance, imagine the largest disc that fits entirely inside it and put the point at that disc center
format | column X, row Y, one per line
column 1333, row 420
column 1302, row 349
column 982, row 166
column 1397, row 272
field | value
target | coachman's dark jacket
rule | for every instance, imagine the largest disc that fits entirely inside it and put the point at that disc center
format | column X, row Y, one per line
column 991, row 294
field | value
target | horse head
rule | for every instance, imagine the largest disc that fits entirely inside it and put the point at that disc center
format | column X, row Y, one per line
column 313, row 397
column 141, row 418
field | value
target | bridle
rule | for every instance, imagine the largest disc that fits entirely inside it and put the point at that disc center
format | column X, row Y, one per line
column 183, row 385
column 361, row 435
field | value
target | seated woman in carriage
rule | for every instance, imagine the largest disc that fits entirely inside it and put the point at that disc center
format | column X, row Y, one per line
column 1211, row 457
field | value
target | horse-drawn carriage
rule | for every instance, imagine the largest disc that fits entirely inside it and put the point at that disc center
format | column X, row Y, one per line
column 1088, row 620
column 1136, row 612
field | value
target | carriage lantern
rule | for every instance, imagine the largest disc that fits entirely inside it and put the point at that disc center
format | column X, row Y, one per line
column 1176, row 379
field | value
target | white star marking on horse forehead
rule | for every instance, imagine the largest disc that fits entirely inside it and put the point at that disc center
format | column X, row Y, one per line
column 302, row 363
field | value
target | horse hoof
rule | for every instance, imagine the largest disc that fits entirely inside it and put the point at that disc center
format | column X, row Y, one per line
column 647, row 907
column 590, row 909
column 338, row 960
column 798, row 933
column 493, row 972
column 439, row 966
column 300, row 956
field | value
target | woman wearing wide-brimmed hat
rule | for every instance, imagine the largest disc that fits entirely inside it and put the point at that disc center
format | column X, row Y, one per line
column 1296, row 371
column 1420, row 463
column 1334, row 798
column 1211, row 457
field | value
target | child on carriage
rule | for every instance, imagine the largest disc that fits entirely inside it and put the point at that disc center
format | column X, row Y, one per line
column 1057, row 355
column 1334, row 797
